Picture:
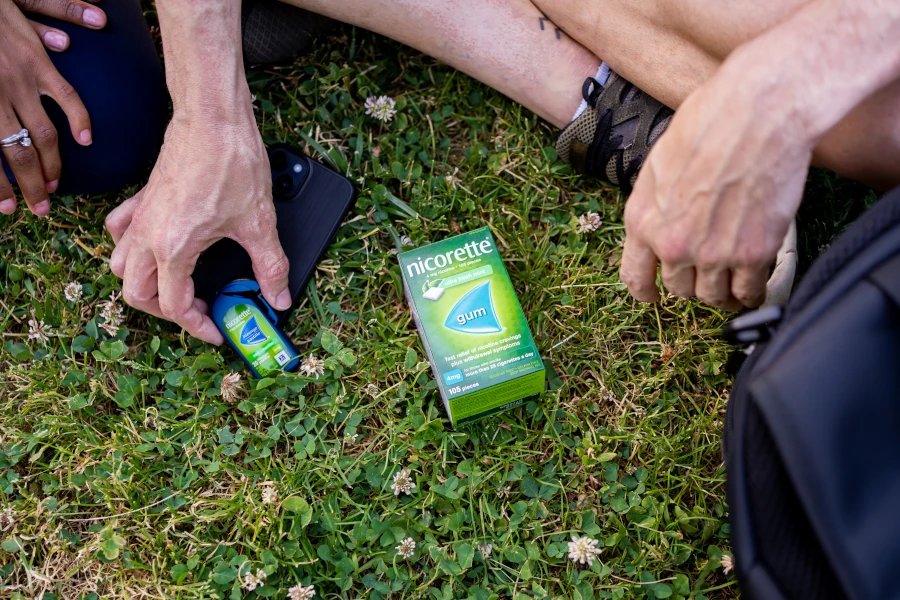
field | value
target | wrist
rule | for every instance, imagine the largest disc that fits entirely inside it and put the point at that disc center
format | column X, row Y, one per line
column 204, row 63
column 210, row 90
column 199, row 130
column 771, row 93
column 231, row 108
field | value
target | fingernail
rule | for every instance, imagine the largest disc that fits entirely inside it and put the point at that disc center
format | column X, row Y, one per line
column 93, row 17
column 283, row 302
column 56, row 40
column 85, row 137
column 42, row 208
column 8, row 206
column 51, row 187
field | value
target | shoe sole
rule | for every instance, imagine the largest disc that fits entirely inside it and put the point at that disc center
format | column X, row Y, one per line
column 781, row 283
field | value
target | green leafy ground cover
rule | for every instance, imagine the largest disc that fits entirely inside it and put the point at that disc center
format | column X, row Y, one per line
column 128, row 474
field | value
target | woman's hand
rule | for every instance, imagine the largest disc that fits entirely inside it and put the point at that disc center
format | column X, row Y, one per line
column 26, row 74
column 73, row 11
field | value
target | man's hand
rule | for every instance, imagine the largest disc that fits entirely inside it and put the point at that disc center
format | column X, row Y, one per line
column 212, row 179
column 716, row 196
column 210, row 182
column 718, row 192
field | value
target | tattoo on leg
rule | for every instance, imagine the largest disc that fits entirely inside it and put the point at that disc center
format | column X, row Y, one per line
column 555, row 28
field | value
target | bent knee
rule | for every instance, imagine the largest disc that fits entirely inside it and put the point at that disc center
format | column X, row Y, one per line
column 127, row 128
column 118, row 76
column 865, row 145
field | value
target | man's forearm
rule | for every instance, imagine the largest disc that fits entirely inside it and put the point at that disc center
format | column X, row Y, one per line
column 204, row 64
column 824, row 61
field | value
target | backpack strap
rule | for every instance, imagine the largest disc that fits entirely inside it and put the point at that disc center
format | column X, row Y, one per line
column 884, row 215
column 887, row 278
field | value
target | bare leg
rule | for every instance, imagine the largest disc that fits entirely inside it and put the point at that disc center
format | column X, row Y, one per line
column 669, row 48
column 506, row 44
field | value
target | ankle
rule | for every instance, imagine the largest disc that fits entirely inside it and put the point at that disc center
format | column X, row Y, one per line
column 601, row 77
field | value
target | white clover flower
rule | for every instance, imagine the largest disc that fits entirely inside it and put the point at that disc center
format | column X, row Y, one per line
column 452, row 180
column 7, row 519
column 381, row 108
column 72, row 291
column 406, row 548
column 503, row 491
column 298, row 592
column 313, row 366
column 39, row 331
column 111, row 312
column 583, row 550
column 372, row 390
column 253, row 581
column 485, row 549
column 406, row 241
column 230, row 386
column 589, row 222
column 349, row 440
column 269, row 493
column 727, row 564
column 403, row 482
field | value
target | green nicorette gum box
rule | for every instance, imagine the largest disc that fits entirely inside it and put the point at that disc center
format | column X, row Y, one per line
column 472, row 326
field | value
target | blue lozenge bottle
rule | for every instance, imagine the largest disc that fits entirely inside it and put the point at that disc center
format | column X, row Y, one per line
column 247, row 322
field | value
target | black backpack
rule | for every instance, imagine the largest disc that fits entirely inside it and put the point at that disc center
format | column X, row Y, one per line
column 812, row 432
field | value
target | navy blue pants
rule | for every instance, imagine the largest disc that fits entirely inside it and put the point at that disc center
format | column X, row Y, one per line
column 117, row 73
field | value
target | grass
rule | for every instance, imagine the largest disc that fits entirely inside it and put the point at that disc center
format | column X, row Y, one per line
column 129, row 475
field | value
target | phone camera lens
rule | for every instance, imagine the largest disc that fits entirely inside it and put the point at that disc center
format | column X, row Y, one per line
column 278, row 160
column 284, row 184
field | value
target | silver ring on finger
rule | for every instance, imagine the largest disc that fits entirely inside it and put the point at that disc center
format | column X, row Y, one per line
column 19, row 139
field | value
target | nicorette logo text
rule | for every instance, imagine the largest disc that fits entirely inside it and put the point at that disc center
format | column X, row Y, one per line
column 243, row 315
column 468, row 251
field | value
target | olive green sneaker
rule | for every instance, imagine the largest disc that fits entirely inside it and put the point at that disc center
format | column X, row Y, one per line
column 613, row 135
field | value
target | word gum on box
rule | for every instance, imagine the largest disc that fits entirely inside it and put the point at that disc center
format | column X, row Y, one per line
column 472, row 326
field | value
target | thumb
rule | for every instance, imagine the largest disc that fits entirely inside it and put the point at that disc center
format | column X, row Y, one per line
column 120, row 218
column 271, row 267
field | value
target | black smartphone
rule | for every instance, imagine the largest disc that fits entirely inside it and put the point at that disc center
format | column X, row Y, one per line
column 311, row 202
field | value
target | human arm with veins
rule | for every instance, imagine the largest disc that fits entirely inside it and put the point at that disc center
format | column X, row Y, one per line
column 721, row 187
column 212, row 179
